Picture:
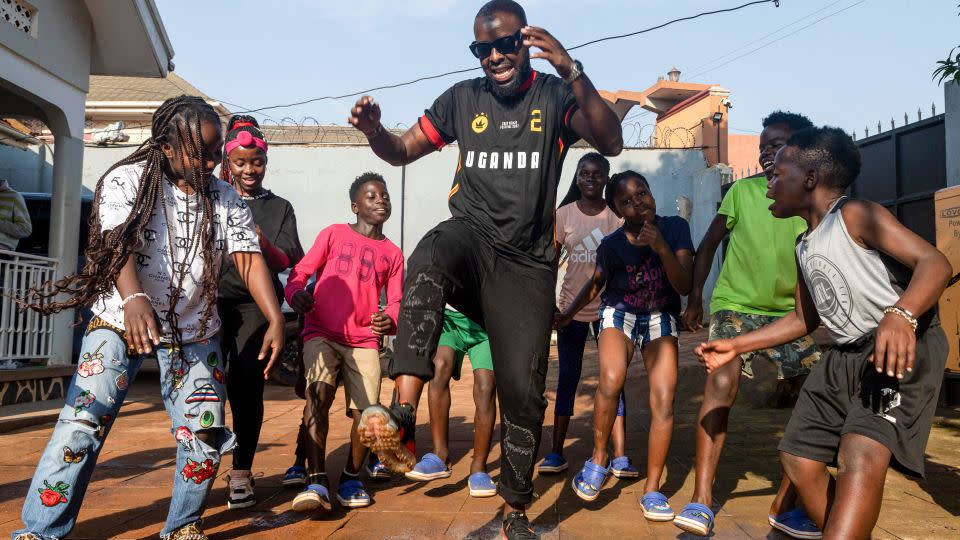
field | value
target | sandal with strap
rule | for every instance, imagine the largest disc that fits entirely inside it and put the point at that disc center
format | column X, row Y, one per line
column 589, row 480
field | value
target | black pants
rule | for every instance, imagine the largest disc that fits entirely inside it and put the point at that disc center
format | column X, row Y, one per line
column 514, row 302
column 243, row 329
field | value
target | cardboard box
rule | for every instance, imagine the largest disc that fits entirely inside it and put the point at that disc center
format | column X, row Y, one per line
column 947, row 208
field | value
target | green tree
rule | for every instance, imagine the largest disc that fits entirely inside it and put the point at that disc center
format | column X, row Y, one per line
column 949, row 69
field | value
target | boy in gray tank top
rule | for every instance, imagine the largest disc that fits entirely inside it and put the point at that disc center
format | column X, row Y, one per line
column 869, row 403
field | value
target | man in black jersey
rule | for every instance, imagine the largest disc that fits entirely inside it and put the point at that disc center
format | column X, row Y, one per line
column 493, row 260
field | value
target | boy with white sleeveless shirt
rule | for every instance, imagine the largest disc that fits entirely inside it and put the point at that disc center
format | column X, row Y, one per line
column 874, row 284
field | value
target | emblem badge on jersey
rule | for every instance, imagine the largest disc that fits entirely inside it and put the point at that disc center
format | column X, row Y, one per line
column 480, row 123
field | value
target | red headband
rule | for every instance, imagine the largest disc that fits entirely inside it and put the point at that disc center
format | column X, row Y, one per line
column 245, row 139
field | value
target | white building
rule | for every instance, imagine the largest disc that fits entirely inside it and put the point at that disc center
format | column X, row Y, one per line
column 48, row 51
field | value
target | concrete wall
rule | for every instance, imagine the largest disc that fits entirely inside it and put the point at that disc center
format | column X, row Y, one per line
column 951, row 98
column 315, row 179
column 62, row 43
column 28, row 170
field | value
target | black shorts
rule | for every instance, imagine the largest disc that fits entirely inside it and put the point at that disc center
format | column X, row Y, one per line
column 844, row 393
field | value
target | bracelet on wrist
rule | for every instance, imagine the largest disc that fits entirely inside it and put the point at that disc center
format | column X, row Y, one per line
column 132, row 296
column 902, row 312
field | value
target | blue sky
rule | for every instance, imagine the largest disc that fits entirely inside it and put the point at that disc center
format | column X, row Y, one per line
column 867, row 60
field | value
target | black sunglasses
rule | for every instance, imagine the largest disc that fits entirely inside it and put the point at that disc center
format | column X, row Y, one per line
column 504, row 45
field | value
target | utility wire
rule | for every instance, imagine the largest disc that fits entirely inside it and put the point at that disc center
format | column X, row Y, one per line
column 785, row 36
column 466, row 70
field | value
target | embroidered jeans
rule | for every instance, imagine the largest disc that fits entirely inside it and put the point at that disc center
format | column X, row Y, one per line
column 193, row 391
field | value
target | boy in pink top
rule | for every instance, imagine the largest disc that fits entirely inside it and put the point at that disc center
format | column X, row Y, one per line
column 342, row 330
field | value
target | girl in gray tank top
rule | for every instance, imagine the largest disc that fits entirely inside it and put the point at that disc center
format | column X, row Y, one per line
column 850, row 301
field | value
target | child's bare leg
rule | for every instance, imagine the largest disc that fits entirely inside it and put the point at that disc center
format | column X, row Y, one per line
column 438, row 402
column 358, row 452
column 615, row 351
column 786, row 498
column 485, row 400
column 718, row 396
column 660, row 359
column 316, row 419
column 618, row 436
column 815, row 487
column 408, row 390
column 849, row 506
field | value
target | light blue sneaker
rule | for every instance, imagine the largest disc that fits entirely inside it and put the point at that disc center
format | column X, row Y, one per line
column 430, row 467
column 796, row 524
column 622, row 467
column 295, row 476
column 352, row 495
column 656, row 507
column 314, row 497
column 588, row 482
column 552, row 463
column 481, row 485
column 695, row 518
column 376, row 469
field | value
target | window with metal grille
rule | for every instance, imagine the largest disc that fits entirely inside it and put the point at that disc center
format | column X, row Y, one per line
column 20, row 15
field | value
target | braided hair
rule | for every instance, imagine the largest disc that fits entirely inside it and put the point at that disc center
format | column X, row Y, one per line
column 573, row 194
column 238, row 123
column 176, row 124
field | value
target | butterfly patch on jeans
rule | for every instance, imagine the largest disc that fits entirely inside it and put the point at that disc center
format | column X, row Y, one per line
column 69, row 456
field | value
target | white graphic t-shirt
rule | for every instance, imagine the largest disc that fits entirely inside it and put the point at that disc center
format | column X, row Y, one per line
column 233, row 232
column 579, row 235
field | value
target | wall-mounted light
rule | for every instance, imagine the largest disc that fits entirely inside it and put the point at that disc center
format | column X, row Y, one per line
column 717, row 117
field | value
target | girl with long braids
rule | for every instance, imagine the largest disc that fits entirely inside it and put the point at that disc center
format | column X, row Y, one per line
column 162, row 227
column 244, row 166
column 583, row 219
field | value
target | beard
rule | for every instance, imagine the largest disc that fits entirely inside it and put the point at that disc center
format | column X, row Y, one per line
column 510, row 90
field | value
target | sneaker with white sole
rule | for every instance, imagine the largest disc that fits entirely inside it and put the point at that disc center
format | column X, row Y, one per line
column 240, row 494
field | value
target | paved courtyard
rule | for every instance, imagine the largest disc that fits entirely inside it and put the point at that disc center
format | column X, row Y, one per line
column 130, row 490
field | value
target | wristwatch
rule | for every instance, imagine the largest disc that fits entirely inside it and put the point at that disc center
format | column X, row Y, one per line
column 576, row 70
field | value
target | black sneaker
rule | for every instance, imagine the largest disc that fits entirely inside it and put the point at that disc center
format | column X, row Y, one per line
column 516, row 526
column 389, row 434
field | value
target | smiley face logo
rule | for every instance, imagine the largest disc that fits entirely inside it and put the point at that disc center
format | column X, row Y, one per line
column 480, row 123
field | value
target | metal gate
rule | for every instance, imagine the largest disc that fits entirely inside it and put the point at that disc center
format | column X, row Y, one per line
column 902, row 169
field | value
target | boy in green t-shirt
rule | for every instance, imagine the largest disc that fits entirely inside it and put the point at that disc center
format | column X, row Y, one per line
column 461, row 337
column 756, row 287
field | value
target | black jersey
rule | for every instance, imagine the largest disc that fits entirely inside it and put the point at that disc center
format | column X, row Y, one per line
column 511, row 153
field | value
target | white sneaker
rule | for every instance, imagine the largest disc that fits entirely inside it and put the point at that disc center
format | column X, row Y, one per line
column 240, row 494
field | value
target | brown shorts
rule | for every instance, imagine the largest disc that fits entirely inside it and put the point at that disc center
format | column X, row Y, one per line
column 327, row 361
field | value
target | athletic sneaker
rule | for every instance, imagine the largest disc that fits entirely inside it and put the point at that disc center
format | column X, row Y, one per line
column 552, row 463
column 376, row 469
column 389, row 434
column 430, row 467
column 240, row 494
column 295, row 476
column 481, row 485
column 352, row 495
column 622, row 467
column 191, row 531
column 314, row 497
column 516, row 526
column 796, row 524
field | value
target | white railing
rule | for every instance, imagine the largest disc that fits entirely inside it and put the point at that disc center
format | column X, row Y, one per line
column 24, row 334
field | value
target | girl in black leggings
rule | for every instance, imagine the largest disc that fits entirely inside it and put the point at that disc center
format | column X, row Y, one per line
column 244, row 165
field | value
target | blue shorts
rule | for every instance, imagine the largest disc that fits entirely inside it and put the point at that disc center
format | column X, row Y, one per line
column 641, row 328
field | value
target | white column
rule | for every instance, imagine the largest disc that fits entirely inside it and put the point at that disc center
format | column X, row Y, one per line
column 951, row 98
column 64, row 232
